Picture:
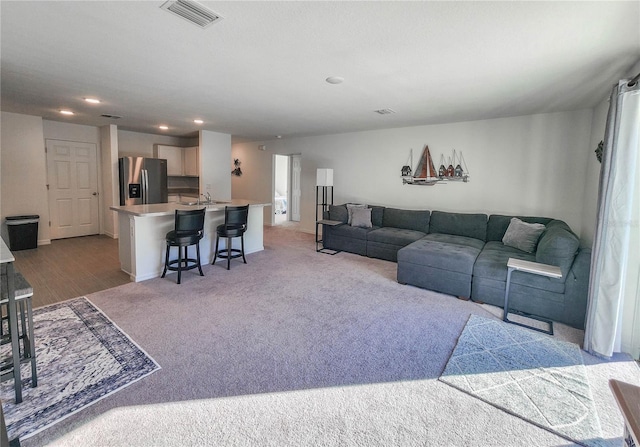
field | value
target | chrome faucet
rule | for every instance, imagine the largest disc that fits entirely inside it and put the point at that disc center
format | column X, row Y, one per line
column 207, row 198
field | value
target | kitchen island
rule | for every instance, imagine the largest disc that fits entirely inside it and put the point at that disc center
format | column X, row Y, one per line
column 142, row 230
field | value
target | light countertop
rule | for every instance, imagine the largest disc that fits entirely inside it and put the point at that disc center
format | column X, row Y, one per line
column 168, row 209
column 5, row 253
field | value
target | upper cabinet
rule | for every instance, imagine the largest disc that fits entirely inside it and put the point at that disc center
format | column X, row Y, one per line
column 180, row 161
column 191, row 165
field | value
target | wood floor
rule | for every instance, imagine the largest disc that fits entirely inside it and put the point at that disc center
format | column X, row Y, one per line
column 68, row 268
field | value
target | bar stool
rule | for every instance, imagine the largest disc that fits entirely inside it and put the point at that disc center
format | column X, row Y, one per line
column 189, row 229
column 18, row 307
column 235, row 225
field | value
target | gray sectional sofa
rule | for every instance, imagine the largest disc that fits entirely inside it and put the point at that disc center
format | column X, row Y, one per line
column 464, row 255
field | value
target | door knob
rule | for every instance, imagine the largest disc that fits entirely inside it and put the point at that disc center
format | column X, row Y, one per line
column 95, row 193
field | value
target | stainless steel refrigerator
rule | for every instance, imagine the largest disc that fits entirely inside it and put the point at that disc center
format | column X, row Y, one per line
column 142, row 180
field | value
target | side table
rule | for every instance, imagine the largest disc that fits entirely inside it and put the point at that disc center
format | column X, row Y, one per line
column 628, row 399
column 319, row 242
column 536, row 268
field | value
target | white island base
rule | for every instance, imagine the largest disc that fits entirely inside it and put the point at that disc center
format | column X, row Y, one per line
column 143, row 229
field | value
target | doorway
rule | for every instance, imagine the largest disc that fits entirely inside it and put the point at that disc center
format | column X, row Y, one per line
column 286, row 189
column 72, row 181
column 281, row 190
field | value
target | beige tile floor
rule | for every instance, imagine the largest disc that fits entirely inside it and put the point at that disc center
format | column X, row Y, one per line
column 68, row 268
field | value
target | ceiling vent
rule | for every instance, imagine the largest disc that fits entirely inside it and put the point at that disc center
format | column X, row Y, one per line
column 192, row 11
column 108, row 115
column 385, row 111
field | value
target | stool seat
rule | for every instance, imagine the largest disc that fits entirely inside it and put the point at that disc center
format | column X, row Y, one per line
column 182, row 238
column 189, row 229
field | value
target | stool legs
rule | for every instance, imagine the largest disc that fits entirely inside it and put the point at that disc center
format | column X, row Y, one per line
column 215, row 253
column 228, row 253
column 242, row 246
column 166, row 261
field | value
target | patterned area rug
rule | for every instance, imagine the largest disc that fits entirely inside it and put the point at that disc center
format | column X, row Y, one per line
column 528, row 374
column 81, row 357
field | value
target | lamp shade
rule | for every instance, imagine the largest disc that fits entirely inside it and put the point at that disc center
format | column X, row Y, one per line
column 324, row 177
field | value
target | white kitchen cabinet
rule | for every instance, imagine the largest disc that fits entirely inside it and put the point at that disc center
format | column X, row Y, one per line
column 173, row 155
column 191, row 165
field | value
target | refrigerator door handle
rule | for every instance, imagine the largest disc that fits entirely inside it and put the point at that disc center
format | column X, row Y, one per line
column 145, row 187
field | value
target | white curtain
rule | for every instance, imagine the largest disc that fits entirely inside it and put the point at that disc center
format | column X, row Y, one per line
column 617, row 208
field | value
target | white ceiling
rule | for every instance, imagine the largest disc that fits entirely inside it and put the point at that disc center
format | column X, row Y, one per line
column 260, row 72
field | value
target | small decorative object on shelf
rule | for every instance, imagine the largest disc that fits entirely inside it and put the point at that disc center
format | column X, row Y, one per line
column 237, row 171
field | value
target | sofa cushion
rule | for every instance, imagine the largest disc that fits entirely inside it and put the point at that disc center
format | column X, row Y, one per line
column 498, row 224
column 376, row 215
column 492, row 264
column 350, row 232
column 558, row 246
column 394, row 236
column 459, row 224
column 522, row 235
column 417, row 220
column 455, row 240
column 361, row 217
column 339, row 213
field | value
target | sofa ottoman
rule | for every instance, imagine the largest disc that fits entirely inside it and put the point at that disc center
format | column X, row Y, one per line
column 443, row 263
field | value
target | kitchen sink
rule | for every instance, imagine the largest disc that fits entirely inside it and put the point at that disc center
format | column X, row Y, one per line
column 194, row 203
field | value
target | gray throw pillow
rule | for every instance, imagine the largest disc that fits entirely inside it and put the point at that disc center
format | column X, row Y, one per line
column 523, row 236
column 351, row 207
column 361, row 217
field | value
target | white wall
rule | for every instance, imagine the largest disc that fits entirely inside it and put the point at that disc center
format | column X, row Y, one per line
column 282, row 175
column 215, row 164
column 135, row 144
column 23, row 171
column 529, row 165
column 110, row 185
column 255, row 182
column 56, row 130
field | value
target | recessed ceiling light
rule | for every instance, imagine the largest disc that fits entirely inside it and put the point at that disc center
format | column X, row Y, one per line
column 92, row 100
column 278, row 137
column 66, row 112
column 163, row 127
column 198, row 121
column 335, row 80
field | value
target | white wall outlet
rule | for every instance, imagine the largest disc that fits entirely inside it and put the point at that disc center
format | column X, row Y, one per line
column 207, row 187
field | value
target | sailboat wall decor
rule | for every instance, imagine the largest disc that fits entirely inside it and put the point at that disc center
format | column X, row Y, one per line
column 451, row 173
column 454, row 168
column 425, row 173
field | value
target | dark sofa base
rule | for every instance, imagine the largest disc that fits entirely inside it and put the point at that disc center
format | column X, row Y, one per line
column 443, row 281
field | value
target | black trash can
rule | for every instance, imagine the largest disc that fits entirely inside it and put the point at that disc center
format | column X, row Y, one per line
column 23, row 232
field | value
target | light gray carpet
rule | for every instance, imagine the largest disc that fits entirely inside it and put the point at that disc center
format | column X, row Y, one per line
column 529, row 374
column 81, row 357
column 300, row 348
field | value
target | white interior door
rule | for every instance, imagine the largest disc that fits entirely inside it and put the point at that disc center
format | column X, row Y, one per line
column 72, row 173
column 296, row 190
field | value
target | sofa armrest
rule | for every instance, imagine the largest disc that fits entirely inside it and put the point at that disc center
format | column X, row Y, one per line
column 577, row 288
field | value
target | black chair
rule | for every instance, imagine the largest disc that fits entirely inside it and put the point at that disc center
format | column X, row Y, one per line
column 189, row 229
column 19, row 305
column 235, row 225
